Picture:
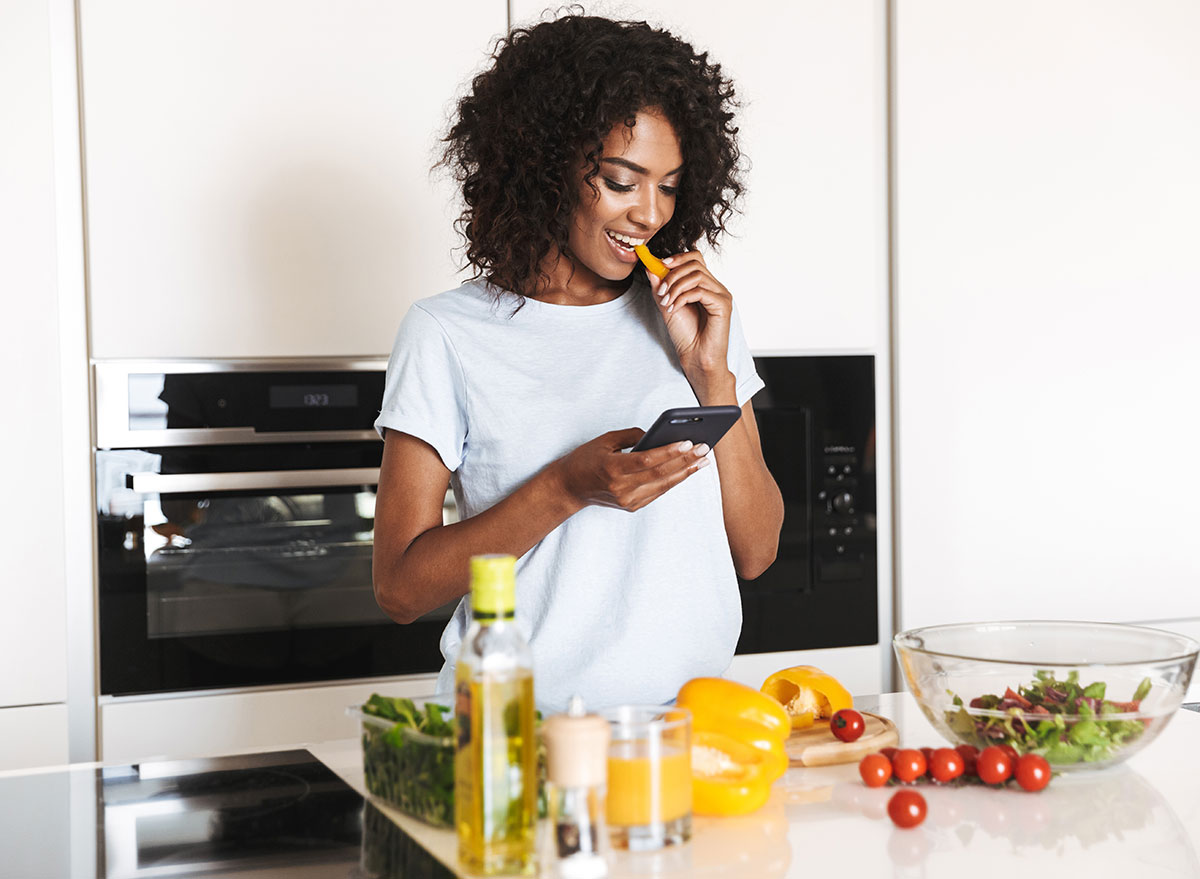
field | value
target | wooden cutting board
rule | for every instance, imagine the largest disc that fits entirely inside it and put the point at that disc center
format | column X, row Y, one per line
column 817, row 746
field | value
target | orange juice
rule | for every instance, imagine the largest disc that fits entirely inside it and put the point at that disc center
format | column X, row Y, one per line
column 643, row 791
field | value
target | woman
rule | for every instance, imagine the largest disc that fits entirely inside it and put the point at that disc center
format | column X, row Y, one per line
column 586, row 136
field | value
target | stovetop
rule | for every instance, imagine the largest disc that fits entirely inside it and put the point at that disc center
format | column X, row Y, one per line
column 282, row 814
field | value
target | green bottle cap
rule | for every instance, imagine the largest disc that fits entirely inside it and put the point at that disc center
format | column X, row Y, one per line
column 494, row 584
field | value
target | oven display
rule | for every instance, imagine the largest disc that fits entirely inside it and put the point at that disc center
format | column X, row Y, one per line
column 313, row 396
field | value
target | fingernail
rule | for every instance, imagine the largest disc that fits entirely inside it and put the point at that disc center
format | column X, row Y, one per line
column 684, row 446
column 701, row 450
column 702, row 463
column 668, row 259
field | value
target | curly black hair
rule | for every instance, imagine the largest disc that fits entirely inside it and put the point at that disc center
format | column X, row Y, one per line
column 543, row 108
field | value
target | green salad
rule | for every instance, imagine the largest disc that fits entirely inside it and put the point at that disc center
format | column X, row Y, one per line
column 417, row 775
column 1063, row 720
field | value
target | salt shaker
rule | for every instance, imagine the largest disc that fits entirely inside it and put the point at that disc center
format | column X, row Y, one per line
column 576, row 775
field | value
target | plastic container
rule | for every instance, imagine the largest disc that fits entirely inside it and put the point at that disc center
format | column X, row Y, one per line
column 407, row 768
column 991, row 683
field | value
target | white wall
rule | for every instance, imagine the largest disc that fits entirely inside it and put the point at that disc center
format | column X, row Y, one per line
column 1048, row 298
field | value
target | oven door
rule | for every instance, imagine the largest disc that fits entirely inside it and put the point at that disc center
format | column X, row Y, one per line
column 816, row 421
column 233, row 566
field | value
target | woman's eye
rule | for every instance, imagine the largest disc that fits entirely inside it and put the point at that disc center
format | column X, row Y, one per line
column 618, row 187
column 668, row 190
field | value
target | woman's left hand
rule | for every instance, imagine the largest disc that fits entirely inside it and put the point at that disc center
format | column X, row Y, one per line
column 697, row 310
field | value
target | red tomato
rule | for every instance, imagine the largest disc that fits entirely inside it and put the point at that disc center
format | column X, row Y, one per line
column 969, row 754
column 945, row 765
column 906, row 808
column 890, row 753
column 928, row 752
column 1011, row 752
column 847, row 724
column 875, row 769
column 994, row 765
column 908, row 764
column 1033, row 772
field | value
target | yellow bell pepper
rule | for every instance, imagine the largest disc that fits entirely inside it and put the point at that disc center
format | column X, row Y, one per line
column 728, row 777
column 716, row 701
column 807, row 693
column 774, row 757
column 650, row 261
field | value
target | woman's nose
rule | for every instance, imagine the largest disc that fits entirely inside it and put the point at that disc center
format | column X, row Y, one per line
column 647, row 212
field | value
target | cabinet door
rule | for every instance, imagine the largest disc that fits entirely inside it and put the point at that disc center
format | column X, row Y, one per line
column 258, row 173
column 1047, row 276
column 807, row 262
column 33, row 735
column 33, row 642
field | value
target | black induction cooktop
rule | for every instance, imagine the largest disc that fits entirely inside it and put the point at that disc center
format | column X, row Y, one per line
column 282, row 814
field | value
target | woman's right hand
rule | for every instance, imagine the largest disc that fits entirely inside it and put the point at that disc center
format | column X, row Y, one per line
column 599, row 473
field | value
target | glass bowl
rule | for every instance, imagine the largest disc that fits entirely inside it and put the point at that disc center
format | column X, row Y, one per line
column 1083, row 695
column 410, row 769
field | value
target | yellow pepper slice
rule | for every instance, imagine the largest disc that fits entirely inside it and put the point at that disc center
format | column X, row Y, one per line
column 716, row 701
column 807, row 693
column 650, row 261
column 774, row 757
column 727, row 775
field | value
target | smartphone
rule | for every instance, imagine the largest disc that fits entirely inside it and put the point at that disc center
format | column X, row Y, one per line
column 700, row 424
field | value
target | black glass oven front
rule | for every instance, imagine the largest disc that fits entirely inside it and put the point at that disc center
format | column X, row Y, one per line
column 816, row 421
column 237, row 550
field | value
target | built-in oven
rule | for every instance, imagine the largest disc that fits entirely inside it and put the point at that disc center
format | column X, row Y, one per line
column 816, row 420
column 236, row 507
column 236, row 517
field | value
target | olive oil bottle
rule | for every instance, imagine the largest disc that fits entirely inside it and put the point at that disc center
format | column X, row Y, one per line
column 495, row 764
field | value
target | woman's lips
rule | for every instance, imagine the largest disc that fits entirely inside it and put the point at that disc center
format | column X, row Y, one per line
column 622, row 251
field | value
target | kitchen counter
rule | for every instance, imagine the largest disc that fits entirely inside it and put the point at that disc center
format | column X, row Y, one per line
column 1140, row 819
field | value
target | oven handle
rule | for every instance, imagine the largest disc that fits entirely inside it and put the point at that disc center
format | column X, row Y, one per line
column 254, row 480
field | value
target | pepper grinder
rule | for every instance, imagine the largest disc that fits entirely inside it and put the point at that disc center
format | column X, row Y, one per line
column 576, row 775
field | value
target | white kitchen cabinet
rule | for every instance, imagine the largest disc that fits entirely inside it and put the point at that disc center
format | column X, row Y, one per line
column 32, row 736
column 33, row 646
column 807, row 262
column 206, row 725
column 258, row 175
column 1046, row 309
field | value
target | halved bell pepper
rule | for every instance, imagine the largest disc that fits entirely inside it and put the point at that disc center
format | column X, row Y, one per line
column 807, row 693
column 728, row 776
column 770, row 746
column 716, row 701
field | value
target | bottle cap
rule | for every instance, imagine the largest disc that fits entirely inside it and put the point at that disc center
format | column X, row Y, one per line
column 576, row 747
column 493, row 583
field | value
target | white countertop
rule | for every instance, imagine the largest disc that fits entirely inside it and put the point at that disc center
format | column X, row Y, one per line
column 1138, row 820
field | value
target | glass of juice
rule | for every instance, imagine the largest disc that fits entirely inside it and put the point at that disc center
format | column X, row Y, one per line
column 649, row 776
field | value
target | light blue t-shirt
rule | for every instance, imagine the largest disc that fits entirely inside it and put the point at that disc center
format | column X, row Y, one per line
column 619, row 607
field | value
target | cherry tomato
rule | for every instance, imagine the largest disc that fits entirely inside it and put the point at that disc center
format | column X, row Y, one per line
column 1033, row 772
column 969, row 754
column 875, row 769
column 890, row 753
column 994, row 765
column 908, row 765
column 1011, row 752
column 928, row 752
column 906, row 808
column 945, row 765
column 847, row 724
